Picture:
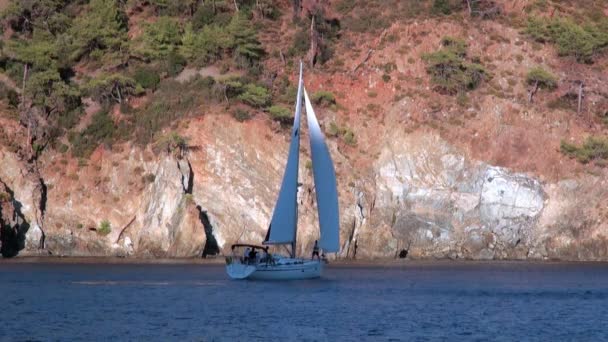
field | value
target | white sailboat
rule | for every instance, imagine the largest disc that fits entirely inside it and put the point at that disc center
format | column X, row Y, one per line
column 283, row 226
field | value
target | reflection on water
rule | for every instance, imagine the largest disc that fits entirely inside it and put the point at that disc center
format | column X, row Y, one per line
column 415, row 302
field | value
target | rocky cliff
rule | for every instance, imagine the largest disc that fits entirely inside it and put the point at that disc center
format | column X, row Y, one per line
column 420, row 195
column 422, row 174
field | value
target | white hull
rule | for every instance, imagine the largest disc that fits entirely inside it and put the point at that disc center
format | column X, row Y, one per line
column 282, row 269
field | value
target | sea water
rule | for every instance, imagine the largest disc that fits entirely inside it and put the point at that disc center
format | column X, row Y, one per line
column 411, row 302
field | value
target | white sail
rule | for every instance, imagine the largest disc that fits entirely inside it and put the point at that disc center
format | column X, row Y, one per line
column 325, row 184
column 282, row 229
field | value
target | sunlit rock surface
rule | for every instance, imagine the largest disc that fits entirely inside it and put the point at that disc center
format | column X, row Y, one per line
column 421, row 197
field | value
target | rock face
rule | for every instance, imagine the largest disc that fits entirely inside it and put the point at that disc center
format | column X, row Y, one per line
column 434, row 202
column 421, row 197
column 13, row 226
column 169, row 221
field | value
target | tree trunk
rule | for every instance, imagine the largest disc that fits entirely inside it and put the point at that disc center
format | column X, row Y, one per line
column 314, row 43
column 125, row 228
column 24, row 108
column 297, row 8
column 236, row 6
column 533, row 92
column 580, row 97
column 25, row 70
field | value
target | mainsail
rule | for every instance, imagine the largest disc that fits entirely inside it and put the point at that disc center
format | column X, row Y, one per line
column 325, row 184
column 282, row 229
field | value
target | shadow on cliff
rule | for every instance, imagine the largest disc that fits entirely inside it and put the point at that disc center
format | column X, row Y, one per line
column 211, row 246
column 13, row 227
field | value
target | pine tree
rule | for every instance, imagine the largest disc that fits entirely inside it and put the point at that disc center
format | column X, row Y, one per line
column 246, row 46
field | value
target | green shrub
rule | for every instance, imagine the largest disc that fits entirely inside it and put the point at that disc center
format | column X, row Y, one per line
column 49, row 92
column 189, row 199
column 594, row 148
column 212, row 13
column 68, row 119
column 301, row 41
column 280, row 114
column 346, row 133
column 148, row 178
column 101, row 130
column 172, row 142
column 288, row 94
column 205, row 45
column 349, row 137
column 175, row 63
column 100, row 31
column 389, row 67
column 204, row 15
column 323, row 97
column 104, row 228
column 241, row 115
column 171, row 7
column 160, row 38
column 4, row 197
column 449, row 69
column 116, row 88
column 570, row 38
column 255, row 96
column 232, row 87
column 146, row 78
column 11, row 96
column 308, row 164
column 171, row 101
column 246, row 46
column 454, row 45
column 542, row 78
column 333, row 130
column 442, row 7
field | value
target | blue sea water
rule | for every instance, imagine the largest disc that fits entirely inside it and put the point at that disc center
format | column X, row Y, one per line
column 412, row 302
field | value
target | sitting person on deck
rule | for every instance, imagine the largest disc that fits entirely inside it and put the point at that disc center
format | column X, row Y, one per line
column 252, row 255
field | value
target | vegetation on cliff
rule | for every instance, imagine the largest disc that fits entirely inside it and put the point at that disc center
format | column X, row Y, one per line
column 63, row 51
column 582, row 41
column 451, row 71
column 139, row 62
column 594, row 148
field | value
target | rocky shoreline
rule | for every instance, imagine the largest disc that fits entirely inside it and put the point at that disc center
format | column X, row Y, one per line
column 219, row 260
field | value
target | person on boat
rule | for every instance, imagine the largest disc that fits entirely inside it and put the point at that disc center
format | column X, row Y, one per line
column 246, row 255
column 265, row 256
column 315, row 251
column 252, row 255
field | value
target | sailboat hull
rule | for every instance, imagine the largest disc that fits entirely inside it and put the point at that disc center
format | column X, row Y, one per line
column 282, row 269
